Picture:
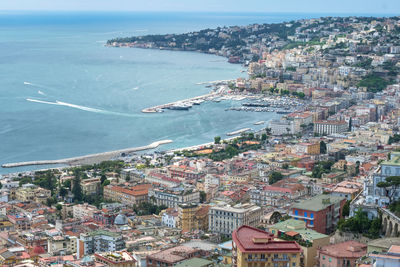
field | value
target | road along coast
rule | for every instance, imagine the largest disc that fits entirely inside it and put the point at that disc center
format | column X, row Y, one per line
column 88, row 159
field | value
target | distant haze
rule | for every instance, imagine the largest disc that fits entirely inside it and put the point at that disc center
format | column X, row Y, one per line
column 308, row 6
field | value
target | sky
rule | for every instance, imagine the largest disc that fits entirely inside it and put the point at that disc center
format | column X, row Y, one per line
column 297, row 6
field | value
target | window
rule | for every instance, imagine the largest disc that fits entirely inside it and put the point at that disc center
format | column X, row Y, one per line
column 293, row 264
column 323, row 257
column 330, row 260
column 312, row 215
column 262, row 256
column 311, row 222
column 305, row 214
column 296, row 212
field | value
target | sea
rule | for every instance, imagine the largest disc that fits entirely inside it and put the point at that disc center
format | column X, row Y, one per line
column 63, row 93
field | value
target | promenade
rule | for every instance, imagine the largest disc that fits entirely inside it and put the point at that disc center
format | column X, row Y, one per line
column 88, row 159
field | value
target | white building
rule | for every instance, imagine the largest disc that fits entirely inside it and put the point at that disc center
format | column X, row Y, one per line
column 281, row 127
column 224, row 219
column 100, row 241
column 330, row 127
column 388, row 259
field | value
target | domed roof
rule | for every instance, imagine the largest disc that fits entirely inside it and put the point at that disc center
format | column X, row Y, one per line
column 37, row 250
column 121, row 220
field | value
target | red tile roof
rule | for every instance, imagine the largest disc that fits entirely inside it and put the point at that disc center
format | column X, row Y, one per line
column 244, row 237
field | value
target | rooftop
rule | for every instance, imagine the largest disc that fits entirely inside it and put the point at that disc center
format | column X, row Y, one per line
column 249, row 239
column 194, row 262
column 318, row 203
column 349, row 249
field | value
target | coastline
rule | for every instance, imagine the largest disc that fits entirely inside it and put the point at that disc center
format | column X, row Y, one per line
column 88, row 159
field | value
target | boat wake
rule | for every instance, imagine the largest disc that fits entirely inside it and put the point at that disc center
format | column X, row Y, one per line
column 41, row 93
column 89, row 109
column 135, row 88
column 37, row 85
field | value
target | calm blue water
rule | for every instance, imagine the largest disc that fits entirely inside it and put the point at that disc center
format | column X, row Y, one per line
column 53, row 57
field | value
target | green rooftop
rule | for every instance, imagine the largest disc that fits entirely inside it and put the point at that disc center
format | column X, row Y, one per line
column 394, row 160
column 103, row 232
column 299, row 227
column 318, row 203
column 194, row 262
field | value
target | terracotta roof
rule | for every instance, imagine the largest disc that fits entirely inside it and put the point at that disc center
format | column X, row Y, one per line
column 245, row 236
column 349, row 249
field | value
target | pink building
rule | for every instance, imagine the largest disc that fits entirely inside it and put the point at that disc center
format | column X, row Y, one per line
column 342, row 254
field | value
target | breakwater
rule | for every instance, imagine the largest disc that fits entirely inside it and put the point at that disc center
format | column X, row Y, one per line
column 88, row 159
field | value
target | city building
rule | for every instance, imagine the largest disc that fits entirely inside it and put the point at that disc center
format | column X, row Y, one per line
column 91, row 186
column 224, row 219
column 116, row 259
column 173, row 197
column 99, row 241
column 61, row 245
column 320, row 213
column 330, row 127
column 192, row 217
column 128, row 196
column 281, row 127
column 309, row 240
column 80, row 211
column 172, row 256
column 387, row 259
column 341, row 254
column 255, row 247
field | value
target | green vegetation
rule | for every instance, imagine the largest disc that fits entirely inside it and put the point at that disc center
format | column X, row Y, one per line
column 217, row 140
column 147, row 208
column 275, row 177
column 321, row 168
column 394, row 139
column 346, row 208
column 391, row 184
column 322, row 147
column 361, row 224
column 373, row 83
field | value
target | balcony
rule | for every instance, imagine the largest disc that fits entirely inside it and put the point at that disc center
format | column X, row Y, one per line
column 300, row 216
column 281, row 259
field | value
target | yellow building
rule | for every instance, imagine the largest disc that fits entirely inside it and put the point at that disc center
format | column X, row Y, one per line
column 192, row 217
column 32, row 193
column 91, row 186
column 254, row 247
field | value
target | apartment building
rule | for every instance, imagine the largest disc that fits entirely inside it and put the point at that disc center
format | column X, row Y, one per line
column 116, row 259
column 330, row 127
column 129, row 196
column 91, row 186
column 62, row 245
column 224, row 219
column 192, row 217
column 99, row 241
column 173, row 197
column 320, row 213
column 80, row 211
column 255, row 247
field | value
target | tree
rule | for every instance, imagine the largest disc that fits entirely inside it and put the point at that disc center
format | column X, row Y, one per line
column 350, row 124
column 59, row 207
column 275, row 177
column 391, row 184
column 63, row 191
column 203, row 196
column 264, row 137
column 285, row 166
column 217, row 140
column 346, row 208
column 77, row 189
column 322, row 147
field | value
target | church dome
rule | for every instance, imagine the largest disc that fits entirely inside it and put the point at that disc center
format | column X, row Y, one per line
column 121, row 220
